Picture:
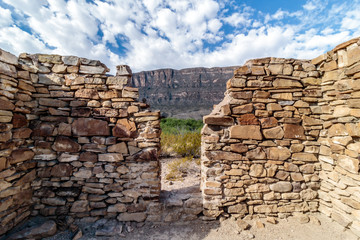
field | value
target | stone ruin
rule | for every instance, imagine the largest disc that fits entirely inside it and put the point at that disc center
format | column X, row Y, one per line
column 286, row 138
column 75, row 141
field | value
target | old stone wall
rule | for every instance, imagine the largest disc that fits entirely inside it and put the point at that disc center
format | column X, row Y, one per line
column 17, row 170
column 93, row 145
column 285, row 139
column 259, row 145
column 340, row 138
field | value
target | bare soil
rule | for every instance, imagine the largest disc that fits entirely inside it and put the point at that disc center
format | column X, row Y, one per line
column 190, row 175
column 285, row 229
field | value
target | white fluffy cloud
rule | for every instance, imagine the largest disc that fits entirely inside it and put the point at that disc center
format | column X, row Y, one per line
column 6, row 18
column 151, row 34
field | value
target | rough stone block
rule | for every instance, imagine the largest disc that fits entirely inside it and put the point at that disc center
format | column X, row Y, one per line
column 281, row 187
column 278, row 153
column 246, row 132
column 111, row 157
column 90, row 127
column 274, row 133
column 218, row 120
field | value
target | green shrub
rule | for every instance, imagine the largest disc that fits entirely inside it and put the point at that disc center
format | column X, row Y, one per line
column 181, row 137
column 177, row 126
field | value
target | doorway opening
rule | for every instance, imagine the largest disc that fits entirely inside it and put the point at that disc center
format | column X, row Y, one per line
column 180, row 169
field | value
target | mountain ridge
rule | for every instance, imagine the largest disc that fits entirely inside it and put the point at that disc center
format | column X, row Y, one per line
column 184, row 93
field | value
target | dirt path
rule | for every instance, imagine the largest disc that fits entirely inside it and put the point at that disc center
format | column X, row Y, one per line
column 190, row 175
column 285, row 229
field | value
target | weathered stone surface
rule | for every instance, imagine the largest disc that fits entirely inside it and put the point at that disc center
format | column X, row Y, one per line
column 293, row 131
column 61, row 170
column 55, row 201
column 8, row 57
column 8, row 69
column 348, row 163
column 246, row 132
column 87, row 93
column 71, row 60
column 274, row 133
column 137, row 217
column 21, row 155
column 278, row 153
column 51, row 79
column 80, row 206
column 268, row 122
column 281, row 187
column 117, row 80
column 219, row 120
column 239, row 148
column 306, row 157
column 6, row 105
column 52, row 102
column 111, row 157
column 21, row 133
column 19, row 121
column 119, row 148
column 5, row 136
column 308, row 194
column 238, row 209
column 257, row 170
column 282, row 175
column 286, row 83
column 119, row 207
column 124, row 128
column 353, row 55
column 248, row 108
column 92, row 69
column 257, row 153
column 90, row 127
column 235, row 172
column 243, row 70
column 4, row 185
column 248, row 119
column 65, row 144
column 83, row 173
column 47, row 229
column 337, row 130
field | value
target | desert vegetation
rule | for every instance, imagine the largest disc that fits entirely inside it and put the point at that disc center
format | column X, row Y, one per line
column 180, row 138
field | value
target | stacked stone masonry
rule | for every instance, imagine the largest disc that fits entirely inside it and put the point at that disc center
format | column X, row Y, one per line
column 74, row 141
column 285, row 139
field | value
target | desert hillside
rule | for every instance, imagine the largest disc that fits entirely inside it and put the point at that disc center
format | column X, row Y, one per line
column 186, row 93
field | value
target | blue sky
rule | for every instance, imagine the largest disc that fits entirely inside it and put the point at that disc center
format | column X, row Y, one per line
column 152, row 34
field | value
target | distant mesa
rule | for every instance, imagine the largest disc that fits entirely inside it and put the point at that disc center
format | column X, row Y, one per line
column 186, row 93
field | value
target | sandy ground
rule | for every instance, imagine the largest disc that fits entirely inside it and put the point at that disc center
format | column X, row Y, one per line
column 191, row 177
column 285, row 229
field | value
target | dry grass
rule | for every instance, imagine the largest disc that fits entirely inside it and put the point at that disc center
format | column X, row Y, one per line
column 179, row 168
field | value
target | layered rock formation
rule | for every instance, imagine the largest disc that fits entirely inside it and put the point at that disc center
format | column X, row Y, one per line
column 186, row 93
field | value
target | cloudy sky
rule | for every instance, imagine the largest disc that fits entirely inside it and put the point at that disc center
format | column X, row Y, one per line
column 152, row 34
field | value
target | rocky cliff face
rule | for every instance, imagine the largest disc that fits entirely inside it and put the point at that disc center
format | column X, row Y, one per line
column 186, row 93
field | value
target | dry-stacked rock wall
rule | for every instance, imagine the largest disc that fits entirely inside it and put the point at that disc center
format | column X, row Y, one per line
column 75, row 141
column 93, row 145
column 285, row 139
column 17, row 170
column 259, row 145
column 340, row 138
